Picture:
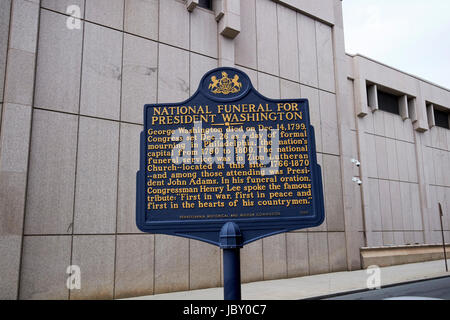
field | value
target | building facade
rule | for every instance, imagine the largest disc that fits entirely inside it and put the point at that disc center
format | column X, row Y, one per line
column 74, row 76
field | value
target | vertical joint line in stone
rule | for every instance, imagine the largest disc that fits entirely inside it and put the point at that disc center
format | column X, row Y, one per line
column 83, row 22
column 189, row 90
column 278, row 48
column 118, row 156
column 36, row 34
column 430, row 115
column 298, row 52
column 6, row 65
column 157, row 100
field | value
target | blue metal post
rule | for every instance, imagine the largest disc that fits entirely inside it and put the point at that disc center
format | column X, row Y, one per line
column 231, row 243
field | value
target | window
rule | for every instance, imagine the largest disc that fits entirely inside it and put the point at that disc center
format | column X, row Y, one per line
column 388, row 102
column 368, row 95
column 412, row 109
column 207, row 4
column 372, row 101
column 441, row 119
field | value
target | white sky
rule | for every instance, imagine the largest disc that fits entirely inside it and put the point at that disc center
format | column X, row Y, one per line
column 410, row 35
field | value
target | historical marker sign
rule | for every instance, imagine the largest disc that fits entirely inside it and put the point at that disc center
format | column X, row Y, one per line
column 228, row 154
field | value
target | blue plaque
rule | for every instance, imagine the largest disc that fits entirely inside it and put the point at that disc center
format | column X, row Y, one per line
column 213, row 159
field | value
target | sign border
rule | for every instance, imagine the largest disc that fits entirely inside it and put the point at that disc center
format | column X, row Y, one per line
column 252, row 228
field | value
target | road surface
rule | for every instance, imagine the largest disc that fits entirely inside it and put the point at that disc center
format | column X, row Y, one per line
column 435, row 288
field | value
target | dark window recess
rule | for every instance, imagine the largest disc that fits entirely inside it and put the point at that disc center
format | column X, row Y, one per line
column 388, row 102
column 205, row 4
column 368, row 100
column 441, row 119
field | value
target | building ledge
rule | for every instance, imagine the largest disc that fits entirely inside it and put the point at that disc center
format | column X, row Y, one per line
column 396, row 255
column 398, row 70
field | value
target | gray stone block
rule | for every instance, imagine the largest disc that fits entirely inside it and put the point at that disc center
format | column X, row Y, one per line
column 297, row 254
column 5, row 7
column 378, row 123
column 134, row 266
column 368, row 148
column 128, row 166
column 62, row 5
column 385, row 205
column 198, row 67
column 95, row 257
column 171, row 270
column 274, row 257
column 252, row 262
column 325, row 57
column 24, row 25
column 12, row 201
column 142, row 17
column 328, row 118
column 19, row 81
column 289, row 89
column 337, row 249
column 267, row 37
column 174, row 31
column 58, row 64
column 318, row 252
column 269, row 85
column 388, row 238
column 323, row 226
column 307, row 50
column 51, row 175
column 173, row 76
column 334, row 207
column 353, row 245
column 139, row 82
column 288, row 43
column 102, row 72
column 15, row 135
column 204, row 33
column 390, row 122
column 382, row 161
column 314, row 111
column 10, row 251
column 401, row 149
column 252, row 74
column 44, row 263
column 396, row 206
column 245, row 41
column 96, row 179
column 14, row 145
column 204, row 265
column 392, row 159
column 105, row 12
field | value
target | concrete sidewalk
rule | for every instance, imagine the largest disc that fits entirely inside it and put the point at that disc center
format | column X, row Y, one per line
column 316, row 285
